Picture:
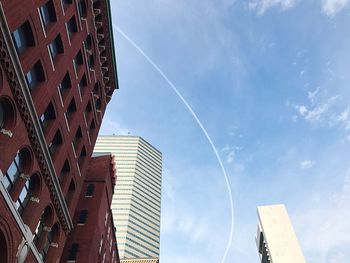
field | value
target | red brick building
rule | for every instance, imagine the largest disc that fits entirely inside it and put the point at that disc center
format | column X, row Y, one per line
column 93, row 237
column 57, row 74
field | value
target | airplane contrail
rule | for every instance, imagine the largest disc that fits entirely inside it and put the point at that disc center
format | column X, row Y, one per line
column 200, row 125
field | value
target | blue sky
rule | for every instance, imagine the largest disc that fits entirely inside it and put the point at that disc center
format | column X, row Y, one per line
column 269, row 80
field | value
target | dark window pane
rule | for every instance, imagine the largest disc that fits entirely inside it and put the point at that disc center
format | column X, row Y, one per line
column 23, row 37
column 47, row 13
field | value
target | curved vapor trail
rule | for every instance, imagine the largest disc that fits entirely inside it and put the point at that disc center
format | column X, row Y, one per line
column 198, row 122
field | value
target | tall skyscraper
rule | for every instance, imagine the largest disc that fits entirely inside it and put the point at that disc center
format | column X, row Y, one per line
column 276, row 240
column 137, row 195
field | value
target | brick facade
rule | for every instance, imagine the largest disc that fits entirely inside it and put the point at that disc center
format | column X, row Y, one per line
column 56, row 79
column 95, row 233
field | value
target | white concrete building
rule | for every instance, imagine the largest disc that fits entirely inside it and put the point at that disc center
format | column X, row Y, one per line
column 137, row 194
column 276, row 240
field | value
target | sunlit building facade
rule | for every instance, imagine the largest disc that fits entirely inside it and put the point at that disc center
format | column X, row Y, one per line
column 276, row 240
column 137, row 197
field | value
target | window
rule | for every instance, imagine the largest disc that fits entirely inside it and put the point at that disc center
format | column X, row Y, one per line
column 44, row 221
column 47, row 13
column 51, row 236
column 88, row 42
column 73, row 251
column 78, row 60
column 56, row 47
column 18, row 166
column 35, row 75
column 65, row 170
column 71, row 109
column 82, row 157
column 66, row 2
column 7, row 113
column 90, row 190
column 70, row 193
column 98, row 104
column 78, row 136
column 82, row 84
column 47, row 116
column 64, row 85
column 23, row 198
column 91, row 61
column 2, row 115
column 72, row 26
column 82, row 8
column 55, row 143
column 23, row 37
column 82, row 217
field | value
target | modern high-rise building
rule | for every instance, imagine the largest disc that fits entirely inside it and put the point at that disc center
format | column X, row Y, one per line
column 276, row 240
column 57, row 75
column 137, row 196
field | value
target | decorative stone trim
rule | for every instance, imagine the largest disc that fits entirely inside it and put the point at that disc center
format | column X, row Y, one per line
column 35, row 199
column 47, row 228
column 24, row 176
column 6, row 132
column 13, row 71
column 55, row 245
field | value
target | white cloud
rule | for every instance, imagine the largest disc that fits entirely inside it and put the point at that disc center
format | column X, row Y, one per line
column 316, row 113
column 332, row 7
column 307, row 164
column 301, row 109
column 261, row 6
column 312, row 95
column 327, row 217
column 230, row 156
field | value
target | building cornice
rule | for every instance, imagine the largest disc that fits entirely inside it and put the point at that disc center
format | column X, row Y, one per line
column 13, row 70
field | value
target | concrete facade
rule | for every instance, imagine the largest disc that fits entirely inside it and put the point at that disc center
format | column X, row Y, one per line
column 56, row 79
column 276, row 240
column 137, row 199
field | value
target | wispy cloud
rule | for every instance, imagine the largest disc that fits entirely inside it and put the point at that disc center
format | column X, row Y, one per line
column 326, row 217
column 332, row 7
column 261, row 6
column 307, row 164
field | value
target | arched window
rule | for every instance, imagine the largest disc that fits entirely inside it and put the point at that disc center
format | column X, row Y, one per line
column 23, row 37
column 98, row 104
column 82, row 157
column 64, row 171
column 29, row 189
column 65, row 85
column 96, row 90
column 47, row 116
column 73, row 251
column 82, row 85
column 47, row 13
column 70, row 193
column 70, row 110
column 7, row 113
column 21, row 164
column 77, row 137
column 3, row 248
column 90, row 190
column 72, row 26
column 88, row 42
column 52, row 237
column 82, row 217
column 43, row 223
column 55, row 143
column 35, row 75
column 82, row 8
column 56, row 47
